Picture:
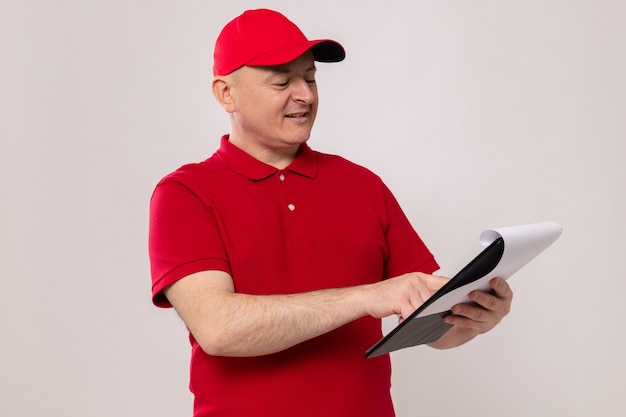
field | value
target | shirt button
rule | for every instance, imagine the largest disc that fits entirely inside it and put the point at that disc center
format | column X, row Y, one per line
column 282, row 177
column 291, row 207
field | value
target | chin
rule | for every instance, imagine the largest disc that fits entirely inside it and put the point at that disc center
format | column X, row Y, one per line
column 298, row 139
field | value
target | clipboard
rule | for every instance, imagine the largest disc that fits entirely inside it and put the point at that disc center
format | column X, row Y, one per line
column 507, row 250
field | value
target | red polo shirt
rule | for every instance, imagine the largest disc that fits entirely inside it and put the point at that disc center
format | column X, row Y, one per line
column 322, row 222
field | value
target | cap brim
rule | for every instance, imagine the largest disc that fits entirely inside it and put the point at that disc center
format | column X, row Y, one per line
column 327, row 50
column 324, row 50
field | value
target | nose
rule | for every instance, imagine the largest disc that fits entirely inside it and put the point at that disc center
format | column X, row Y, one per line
column 304, row 92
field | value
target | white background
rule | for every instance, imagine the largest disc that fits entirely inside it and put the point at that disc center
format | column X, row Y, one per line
column 477, row 114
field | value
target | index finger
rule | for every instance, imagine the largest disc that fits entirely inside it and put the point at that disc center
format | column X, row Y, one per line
column 501, row 288
column 434, row 282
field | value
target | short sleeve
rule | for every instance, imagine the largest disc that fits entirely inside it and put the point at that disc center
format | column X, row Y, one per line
column 184, row 238
column 407, row 251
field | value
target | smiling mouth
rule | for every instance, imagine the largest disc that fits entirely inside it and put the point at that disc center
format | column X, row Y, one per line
column 296, row 115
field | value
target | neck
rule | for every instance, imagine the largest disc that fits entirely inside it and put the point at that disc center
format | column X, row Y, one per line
column 279, row 158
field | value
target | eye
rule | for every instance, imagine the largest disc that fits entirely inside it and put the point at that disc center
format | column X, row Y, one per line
column 282, row 84
column 311, row 81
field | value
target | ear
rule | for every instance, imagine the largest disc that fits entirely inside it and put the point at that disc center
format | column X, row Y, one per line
column 221, row 90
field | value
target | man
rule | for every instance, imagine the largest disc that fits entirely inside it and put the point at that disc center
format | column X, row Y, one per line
column 281, row 260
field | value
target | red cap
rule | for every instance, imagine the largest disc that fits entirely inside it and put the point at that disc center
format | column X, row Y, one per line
column 264, row 38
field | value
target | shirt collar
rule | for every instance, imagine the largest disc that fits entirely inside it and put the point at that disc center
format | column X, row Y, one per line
column 305, row 163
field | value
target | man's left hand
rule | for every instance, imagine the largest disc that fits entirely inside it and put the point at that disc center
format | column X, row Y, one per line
column 470, row 320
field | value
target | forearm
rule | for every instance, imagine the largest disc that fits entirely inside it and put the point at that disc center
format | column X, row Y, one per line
column 226, row 323
column 252, row 325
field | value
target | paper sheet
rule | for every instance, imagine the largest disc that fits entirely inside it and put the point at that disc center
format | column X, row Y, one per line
column 521, row 245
